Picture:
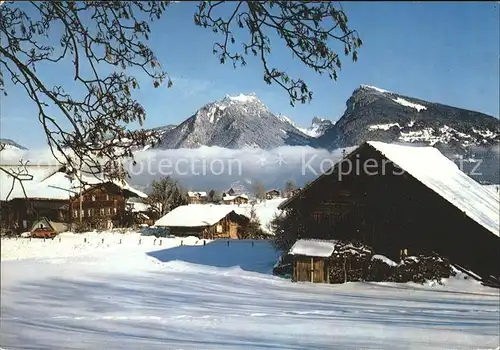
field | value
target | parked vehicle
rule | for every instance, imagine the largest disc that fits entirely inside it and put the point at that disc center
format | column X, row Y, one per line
column 44, row 232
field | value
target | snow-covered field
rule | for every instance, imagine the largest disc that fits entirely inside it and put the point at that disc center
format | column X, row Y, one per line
column 73, row 295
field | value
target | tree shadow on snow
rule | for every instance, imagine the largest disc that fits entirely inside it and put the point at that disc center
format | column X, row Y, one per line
column 255, row 256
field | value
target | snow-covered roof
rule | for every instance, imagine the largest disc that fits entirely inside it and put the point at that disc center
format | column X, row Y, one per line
column 313, row 247
column 138, row 207
column 230, row 198
column 196, row 194
column 493, row 188
column 49, row 183
column 440, row 174
column 195, row 215
column 36, row 183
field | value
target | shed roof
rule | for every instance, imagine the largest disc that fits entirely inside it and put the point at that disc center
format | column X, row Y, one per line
column 57, row 227
column 194, row 215
column 313, row 247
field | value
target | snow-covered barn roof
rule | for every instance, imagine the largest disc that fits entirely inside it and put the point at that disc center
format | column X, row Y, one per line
column 434, row 170
column 313, row 247
column 429, row 166
column 197, row 193
column 195, row 215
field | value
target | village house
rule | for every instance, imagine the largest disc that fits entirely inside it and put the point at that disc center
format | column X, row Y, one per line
column 403, row 200
column 51, row 192
column 197, row 197
column 235, row 199
column 272, row 194
column 293, row 192
column 230, row 192
column 102, row 205
column 142, row 212
column 205, row 221
column 24, row 202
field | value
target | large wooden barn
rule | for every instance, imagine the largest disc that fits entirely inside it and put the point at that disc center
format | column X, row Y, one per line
column 208, row 221
column 402, row 198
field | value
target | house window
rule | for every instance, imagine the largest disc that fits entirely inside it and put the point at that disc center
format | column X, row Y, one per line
column 115, row 211
column 89, row 212
column 93, row 198
column 108, row 211
column 82, row 213
column 102, row 211
column 107, row 197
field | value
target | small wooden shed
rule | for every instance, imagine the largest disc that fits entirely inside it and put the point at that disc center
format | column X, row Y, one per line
column 310, row 260
column 47, row 228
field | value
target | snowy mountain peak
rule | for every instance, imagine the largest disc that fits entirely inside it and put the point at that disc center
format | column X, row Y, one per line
column 235, row 122
column 371, row 87
column 317, row 128
column 317, row 120
column 243, row 98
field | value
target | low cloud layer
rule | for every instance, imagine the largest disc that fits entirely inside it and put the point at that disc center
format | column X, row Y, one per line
column 215, row 167
column 218, row 168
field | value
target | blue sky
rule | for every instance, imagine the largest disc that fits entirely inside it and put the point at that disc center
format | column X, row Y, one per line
column 442, row 52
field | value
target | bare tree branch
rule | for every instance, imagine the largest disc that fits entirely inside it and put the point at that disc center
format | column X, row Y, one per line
column 105, row 41
column 308, row 29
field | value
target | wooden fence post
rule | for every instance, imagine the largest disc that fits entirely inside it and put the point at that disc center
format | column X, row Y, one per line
column 182, row 242
column 204, row 242
column 228, row 243
column 140, row 241
column 312, row 269
column 160, row 241
column 103, row 240
column 120, row 241
column 84, row 239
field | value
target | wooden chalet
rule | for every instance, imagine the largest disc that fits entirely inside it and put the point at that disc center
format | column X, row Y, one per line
column 403, row 199
column 272, row 194
column 197, row 197
column 236, row 199
column 102, row 205
column 204, row 221
column 293, row 192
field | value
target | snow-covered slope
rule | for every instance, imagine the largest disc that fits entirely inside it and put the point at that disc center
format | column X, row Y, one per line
column 377, row 114
column 316, row 129
column 109, row 295
column 234, row 122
